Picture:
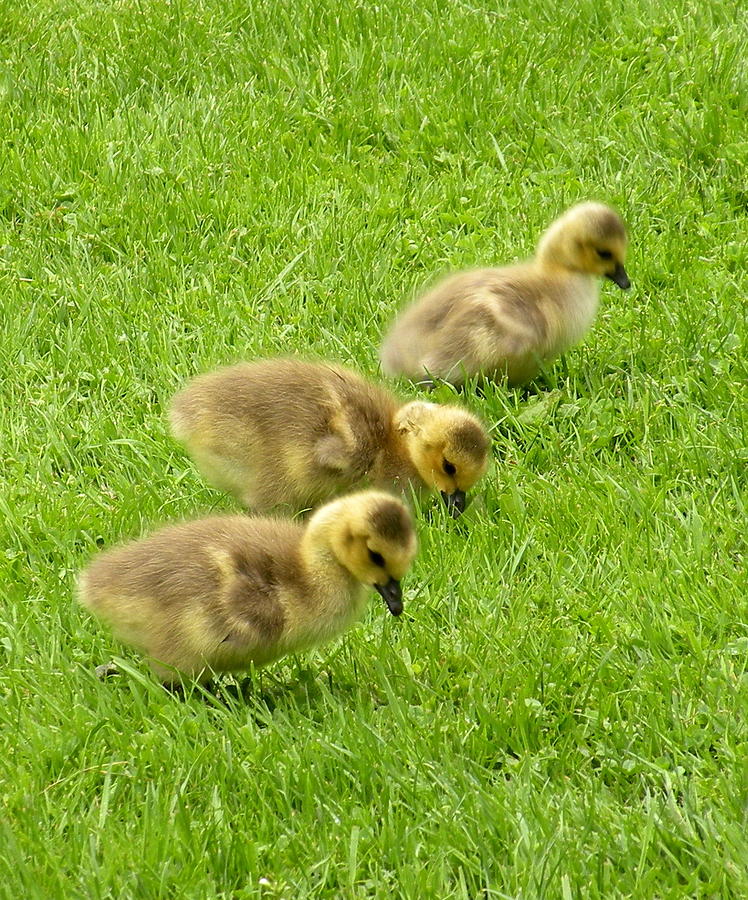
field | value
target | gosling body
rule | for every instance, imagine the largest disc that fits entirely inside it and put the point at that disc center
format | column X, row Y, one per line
column 226, row 592
column 285, row 431
column 509, row 322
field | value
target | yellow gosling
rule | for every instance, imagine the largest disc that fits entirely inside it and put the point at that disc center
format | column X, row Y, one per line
column 221, row 593
column 284, row 431
column 509, row 322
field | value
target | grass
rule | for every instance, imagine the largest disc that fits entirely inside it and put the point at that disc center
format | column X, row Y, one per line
column 562, row 713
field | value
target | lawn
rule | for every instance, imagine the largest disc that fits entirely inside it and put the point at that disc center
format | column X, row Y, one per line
column 562, row 711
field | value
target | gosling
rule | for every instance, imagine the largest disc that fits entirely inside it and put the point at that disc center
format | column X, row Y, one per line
column 284, row 431
column 221, row 593
column 511, row 322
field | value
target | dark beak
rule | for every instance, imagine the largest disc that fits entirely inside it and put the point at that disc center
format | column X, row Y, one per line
column 455, row 503
column 620, row 277
column 392, row 594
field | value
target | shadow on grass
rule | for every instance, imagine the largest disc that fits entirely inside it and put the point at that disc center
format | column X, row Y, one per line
column 262, row 692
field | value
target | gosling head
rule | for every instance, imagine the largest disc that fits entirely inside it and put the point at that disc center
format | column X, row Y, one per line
column 373, row 537
column 588, row 238
column 449, row 448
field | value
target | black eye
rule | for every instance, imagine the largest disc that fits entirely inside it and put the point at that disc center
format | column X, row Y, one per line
column 449, row 467
column 376, row 558
column 605, row 254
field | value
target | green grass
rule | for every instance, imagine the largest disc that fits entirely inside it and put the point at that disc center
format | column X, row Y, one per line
column 562, row 713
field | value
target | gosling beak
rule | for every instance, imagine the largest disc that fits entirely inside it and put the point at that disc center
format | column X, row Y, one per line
column 455, row 503
column 392, row 594
column 620, row 277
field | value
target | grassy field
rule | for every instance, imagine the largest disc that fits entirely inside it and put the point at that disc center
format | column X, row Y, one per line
column 563, row 710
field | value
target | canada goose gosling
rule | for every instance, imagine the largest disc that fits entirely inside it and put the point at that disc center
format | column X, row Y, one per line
column 285, row 431
column 508, row 322
column 221, row 593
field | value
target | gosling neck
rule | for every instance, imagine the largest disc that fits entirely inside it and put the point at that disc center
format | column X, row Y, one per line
column 317, row 549
column 554, row 252
column 396, row 461
column 337, row 599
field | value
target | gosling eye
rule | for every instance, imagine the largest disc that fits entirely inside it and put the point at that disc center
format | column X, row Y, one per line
column 449, row 467
column 605, row 254
column 376, row 558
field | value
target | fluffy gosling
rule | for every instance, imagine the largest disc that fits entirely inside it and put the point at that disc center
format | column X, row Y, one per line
column 283, row 431
column 511, row 321
column 221, row 593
